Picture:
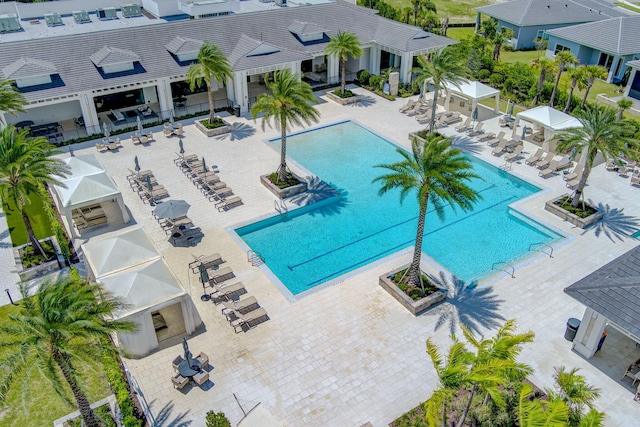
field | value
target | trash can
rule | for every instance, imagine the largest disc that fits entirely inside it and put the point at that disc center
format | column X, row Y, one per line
column 572, row 327
column 237, row 110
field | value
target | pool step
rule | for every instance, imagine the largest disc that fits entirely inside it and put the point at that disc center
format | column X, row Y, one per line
column 254, row 258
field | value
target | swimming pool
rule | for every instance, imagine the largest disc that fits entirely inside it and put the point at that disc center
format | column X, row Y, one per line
column 320, row 242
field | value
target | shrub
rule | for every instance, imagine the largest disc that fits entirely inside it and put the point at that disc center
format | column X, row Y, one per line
column 363, row 77
column 484, row 74
column 120, row 387
column 217, row 419
column 217, row 122
column 496, row 79
column 347, row 93
column 583, row 210
column 289, row 181
column 374, row 81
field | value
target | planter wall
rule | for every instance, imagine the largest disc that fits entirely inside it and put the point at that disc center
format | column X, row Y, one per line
column 344, row 101
column 282, row 193
column 415, row 307
column 42, row 269
column 569, row 217
column 415, row 135
column 213, row 132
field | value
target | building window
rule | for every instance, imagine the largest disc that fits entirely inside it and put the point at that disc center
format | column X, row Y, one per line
column 561, row 48
column 540, row 34
column 605, row 60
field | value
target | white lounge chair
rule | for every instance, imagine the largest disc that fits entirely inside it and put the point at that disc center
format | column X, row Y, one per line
column 536, row 157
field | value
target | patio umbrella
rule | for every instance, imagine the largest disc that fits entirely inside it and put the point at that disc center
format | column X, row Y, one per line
column 149, row 185
column 474, row 114
column 510, row 107
column 107, row 134
column 137, row 167
column 524, row 132
column 71, row 151
column 172, row 209
column 204, row 165
column 187, row 354
column 181, row 147
column 204, row 278
column 139, row 124
column 171, row 117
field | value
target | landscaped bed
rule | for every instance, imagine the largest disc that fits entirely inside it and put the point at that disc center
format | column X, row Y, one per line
column 39, row 221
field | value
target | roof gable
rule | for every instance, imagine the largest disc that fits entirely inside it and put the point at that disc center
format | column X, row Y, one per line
column 305, row 28
column 112, row 56
column 28, row 67
column 617, row 35
column 182, row 45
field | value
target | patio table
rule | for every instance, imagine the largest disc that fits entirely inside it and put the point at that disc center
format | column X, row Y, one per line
column 188, row 371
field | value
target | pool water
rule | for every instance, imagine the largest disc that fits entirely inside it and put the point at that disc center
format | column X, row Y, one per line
column 322, row 241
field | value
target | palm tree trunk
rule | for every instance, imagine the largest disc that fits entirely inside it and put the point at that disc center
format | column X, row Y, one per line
column 82, row 402
column 555, row 87
column 539, row 91
column 496, row 51
column 586, row 93
column 573, row 86
column 466, row 409
column 343, row 73
column 432, row 122
column 37, row 247
column 414, row 270
column 212, row 113
column 282, row 170
column 444, row 414
column 580, row 188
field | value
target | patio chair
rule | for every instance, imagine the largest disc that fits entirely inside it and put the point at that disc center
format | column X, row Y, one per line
column 409, row 105
column 486, row 136
column 464, row 126
column 573, row 184
column 171, row 224
column 476, row 130
column 611, row 165
column 221, row 276
column 225, row 293
column 242, row 306
column 201, row 377
column 550, row 170
column 536, row 157
column 573, row 175
column 177, row 361
column 135, row 140
column 500, row 148
column 219, row 194
column 625, row 170
column 101, row 147
column 635, row 179
column 209, row 261
column 179, row 381
column 451, row 119
column 167, row 131
column 425, row 117
column 511, row 157
column 250, row 319
column 631, row 372
column 228, row 203
column 203, row 359
column 545, row 161
column 417, row 109
column 495, row 141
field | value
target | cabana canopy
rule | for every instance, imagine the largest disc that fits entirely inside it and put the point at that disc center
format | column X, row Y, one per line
column 474, row 91
column 550, row 119
column 83, row 165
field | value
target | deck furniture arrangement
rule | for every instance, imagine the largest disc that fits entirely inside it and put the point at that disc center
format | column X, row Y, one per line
column 464, row 126
column 495, row 141
column 477, row 130
column 89, row 216
column 535, row 157
column 209, row 261
column 514, row 155
column 409, row 105
column 147, row 187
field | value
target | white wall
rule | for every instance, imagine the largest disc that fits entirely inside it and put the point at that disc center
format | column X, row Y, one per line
column 48, row 113
column 150, row 94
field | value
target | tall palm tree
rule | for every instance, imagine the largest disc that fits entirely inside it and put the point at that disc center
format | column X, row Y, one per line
column 546, row 66
column 421, row 5
column 536, row 412
column 212, row 66
column 563, row 59
column 289, row 102
column 11, row 100
column 438, row 173
column 499, row 39
column 623, row 105
column 601, row 132
column 575, row 392
column 579, row 79
column 442, row 68
column 57, row 330
column 488, row 28
column 592, row 72
column 343, row 45
column 26, row 165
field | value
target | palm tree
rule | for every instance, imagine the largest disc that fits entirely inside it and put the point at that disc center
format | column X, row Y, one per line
column 600, row 132
column 289, row 102
column 499, row 39
column 437, row 172
column 563, row 58
column 578, row 78
column 442, row 68
column 11, row 100
column 58, row 329
column 576, row 393
column 212, row 66
column 26, row 165
column 623, row 105
column 592, row 72
column 546, row 67
column 536, row 412
column 421, row 5
column 489, row 27
column 343, row 45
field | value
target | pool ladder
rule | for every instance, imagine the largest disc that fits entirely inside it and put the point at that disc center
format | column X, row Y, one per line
column 280, row 206
column 543, row 248
column 254, row 258
column 504, row 267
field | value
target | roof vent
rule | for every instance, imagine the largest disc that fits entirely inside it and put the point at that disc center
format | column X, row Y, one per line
column 53, row 19
column 566, row 6
column 548, row 7
column 81, row 16
column 9, row 23
column 107, row 13
column 131, row 10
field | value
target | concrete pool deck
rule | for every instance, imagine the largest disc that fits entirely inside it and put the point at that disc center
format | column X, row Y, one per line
column 349, row 353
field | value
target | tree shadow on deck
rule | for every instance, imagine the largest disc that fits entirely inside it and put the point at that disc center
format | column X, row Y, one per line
column 615, row 224
column 165, row 419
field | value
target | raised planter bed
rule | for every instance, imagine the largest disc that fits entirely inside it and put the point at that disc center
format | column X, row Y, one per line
column 282, row 193
column 213, row 132
column 41, row 269
column 415, row 307
column 570, row 217
column 344, row 101
column 415, row 135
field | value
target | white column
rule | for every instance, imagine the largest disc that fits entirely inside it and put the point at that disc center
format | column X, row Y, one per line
column 374, row 60
column 164, row 97
column 497, row 109
column 589, row 333
column 89, row 114
column 447, row 99
column 406, row 63
column 333, row 69
column 632, row 76
column 241, row 91
column 478, row 22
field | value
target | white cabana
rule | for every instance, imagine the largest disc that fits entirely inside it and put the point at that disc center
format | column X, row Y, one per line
column 129, row 267
column 89, row 194
column 549, row 119
column 474, row 92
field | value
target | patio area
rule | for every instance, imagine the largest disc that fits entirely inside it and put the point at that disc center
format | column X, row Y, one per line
column 350, row 354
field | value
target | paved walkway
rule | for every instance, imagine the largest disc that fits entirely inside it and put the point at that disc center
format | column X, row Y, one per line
column 349, row 353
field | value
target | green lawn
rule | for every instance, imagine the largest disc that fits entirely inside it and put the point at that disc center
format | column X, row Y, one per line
column 628, row 7
column 460, row 33
column 39, row 221
column 41, row 405
column 456, row 10
column 521, row 56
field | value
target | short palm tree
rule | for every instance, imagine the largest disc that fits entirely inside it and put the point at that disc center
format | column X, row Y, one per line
column 343, row 45
column 212, row 66
column 546, row 66
column 623, row 105
column 442, row 68
column 601, row 132
column 575, row 392
column 438, row 174
column 592, row 73
column 58, row 330
column 579, row 79
column 563, row 59
column 536, row 412
column 288, row 103
column 499, row 39
column 11, row 100
column 26, row 165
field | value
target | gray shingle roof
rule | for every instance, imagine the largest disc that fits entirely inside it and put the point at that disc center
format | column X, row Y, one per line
column 614, row 291
column 303, row 28
column 71, row 54
column 634, row 64
column 617, row 35
column 251, row 53
column 181, row 45
column 112, row 55
column 548, row 12
column 28, row 67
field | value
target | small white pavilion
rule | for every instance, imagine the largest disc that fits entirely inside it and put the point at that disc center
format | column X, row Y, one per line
column 473, row 92
column 547, row 120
